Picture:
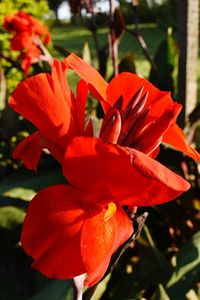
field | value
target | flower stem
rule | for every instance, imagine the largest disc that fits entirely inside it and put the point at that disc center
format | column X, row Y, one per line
column 139, row 37
column 78, row 284
column 113, row 41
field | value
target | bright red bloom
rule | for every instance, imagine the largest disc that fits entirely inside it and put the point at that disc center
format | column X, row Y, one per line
column 71, row 230
column 137, row 115
column 25, row 27
column 26, row 30
column 148, row 116
column 85, row 223
column 47, row 102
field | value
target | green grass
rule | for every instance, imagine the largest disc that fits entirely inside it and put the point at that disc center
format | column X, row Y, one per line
column 73, row 38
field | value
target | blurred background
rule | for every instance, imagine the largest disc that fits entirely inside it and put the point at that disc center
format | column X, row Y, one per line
column 159, row 40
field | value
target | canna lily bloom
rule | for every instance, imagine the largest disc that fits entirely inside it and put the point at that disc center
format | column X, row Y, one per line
column 25, row 27
column 27, row 31
column 72, row 230
column 141, row 118
column 145, row 115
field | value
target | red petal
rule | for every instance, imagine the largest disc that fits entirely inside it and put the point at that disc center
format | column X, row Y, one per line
column 81, row 98
column 52, row 231
column 16, row 22
column 176, row 137
column 97, row 84
column 113, row 171
column 111, row 126
column 124, row 228
column 89, row 130
column 126, row 84
column 100, row 239
column 148, row 140
column 22, row 40
column 54, row 149
column 161, row 184
column 39, row 29
column 45, row 100
column 29, row 151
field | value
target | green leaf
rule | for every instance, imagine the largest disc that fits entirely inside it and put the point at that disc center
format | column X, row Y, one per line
column 15, row 202
column 56, row 290
column 103, row 55
column 86, row 53
column 127, row 64
column 187, row 269
column 24, row 184
column 187, row 259
column 161, row 294
column 194, row 116
column 101, row 287
column 11, row 217
column 154, row 265
column 166, row 58
column 191, row 295
column 63, row 51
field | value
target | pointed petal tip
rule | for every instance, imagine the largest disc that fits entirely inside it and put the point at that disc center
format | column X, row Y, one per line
column 177, row 139
column 96, row 84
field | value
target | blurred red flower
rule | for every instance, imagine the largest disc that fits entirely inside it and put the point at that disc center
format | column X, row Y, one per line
column 71, row 230
column 27, row 58
column 26, row 30
column 24, row 27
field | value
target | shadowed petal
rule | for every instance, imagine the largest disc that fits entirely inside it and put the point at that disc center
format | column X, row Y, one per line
column 176, row 137
column 159, row 184
column 116, row 171
column 99, row 241
column 29, row 151
column 81, row 99
column 52, row 231
column 148, row 140
column 126, row 84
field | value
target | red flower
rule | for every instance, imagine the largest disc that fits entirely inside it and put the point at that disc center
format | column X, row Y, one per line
column 26, row 30
column 148, row 116
column 47, row 102
column 83, row 224
column 71, row 230
column 137, row 115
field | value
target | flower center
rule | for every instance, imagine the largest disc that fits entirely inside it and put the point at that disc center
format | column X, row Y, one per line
column 111, row 210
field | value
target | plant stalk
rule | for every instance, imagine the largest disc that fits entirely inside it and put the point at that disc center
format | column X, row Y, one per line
column 113, row 41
